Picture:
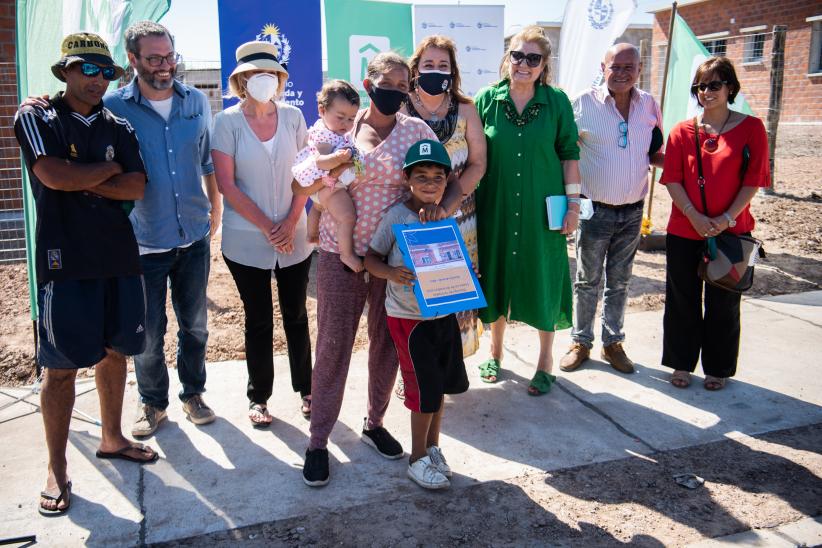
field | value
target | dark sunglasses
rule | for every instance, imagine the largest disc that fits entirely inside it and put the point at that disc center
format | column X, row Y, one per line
column 91, row 70
column 531, row 59
column 715, row 85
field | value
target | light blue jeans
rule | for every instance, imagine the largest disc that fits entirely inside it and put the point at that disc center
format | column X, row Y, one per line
column 606, row 242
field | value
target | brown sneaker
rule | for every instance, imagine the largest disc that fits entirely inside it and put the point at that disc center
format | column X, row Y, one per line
column 197, row 410
column 577, row 354
column 615, row 355
column 148, row 419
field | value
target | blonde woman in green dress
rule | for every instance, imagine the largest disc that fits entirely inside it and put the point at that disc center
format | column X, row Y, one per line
column 532, row 154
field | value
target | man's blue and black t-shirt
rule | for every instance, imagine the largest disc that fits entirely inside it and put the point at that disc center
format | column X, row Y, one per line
column 79, row 235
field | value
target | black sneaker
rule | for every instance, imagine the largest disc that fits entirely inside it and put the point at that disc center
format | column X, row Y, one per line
column 315, row 469
column 382, row 441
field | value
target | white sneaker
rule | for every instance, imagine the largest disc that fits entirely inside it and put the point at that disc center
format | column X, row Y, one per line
column 438, row 461
column 425, row 474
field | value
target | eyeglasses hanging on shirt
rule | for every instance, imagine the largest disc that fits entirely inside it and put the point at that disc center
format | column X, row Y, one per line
column 623, row 135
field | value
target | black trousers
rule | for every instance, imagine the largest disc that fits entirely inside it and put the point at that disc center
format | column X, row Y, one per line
column 687, row 330
column 254, row 285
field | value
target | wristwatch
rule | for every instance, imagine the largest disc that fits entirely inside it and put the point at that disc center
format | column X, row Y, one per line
column 731, row 220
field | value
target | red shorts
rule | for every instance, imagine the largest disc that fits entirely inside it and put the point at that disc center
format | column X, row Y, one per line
column 430, row 354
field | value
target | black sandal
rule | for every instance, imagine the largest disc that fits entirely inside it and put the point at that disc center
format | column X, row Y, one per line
column 65, row 493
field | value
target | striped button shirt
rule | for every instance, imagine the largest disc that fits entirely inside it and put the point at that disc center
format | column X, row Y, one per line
column 610, row 173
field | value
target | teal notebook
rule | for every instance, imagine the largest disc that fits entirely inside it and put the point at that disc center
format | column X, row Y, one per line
column 556, row 207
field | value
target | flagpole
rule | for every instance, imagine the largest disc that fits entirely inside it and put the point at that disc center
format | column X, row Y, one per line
column 646, row 223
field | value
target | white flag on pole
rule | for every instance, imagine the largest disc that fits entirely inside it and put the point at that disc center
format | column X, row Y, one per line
column 589, row 28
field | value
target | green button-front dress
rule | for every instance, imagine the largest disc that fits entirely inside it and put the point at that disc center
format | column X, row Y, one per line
column 524, row 265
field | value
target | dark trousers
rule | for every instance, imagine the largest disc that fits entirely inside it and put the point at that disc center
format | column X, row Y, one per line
column 254, row 285
column 687, row 329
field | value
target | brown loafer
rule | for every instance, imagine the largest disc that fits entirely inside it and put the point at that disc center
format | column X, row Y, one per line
column 615, row 355
column 576, row 354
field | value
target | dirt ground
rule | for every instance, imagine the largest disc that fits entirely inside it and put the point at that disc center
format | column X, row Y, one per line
column 789, row 222
column 759, row 482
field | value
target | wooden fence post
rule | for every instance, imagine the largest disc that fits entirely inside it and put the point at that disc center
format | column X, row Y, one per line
column 775, row 101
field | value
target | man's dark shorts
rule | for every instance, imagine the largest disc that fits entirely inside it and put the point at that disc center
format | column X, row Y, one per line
column 79, row 319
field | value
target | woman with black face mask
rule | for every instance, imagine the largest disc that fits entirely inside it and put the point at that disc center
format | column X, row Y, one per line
column 437, row 99
column 383, row 135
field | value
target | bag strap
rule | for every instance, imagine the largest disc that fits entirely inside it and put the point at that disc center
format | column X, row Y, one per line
column 700, row 177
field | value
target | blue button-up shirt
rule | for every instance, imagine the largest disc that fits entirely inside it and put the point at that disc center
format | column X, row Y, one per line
column 175, row 209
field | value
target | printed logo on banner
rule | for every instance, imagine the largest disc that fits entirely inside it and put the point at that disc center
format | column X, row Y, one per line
column 469, row 49
column 271, row 33
column 427, row 25
column 482, row 25
column 361, row 49
column 600, row 13
column 458, row 25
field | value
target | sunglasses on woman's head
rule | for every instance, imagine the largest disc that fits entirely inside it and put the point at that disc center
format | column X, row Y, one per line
column 715, row 85
column 531, row 59
column 91, row 70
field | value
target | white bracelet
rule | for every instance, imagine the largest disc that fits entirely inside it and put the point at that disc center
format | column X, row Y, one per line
column 573, row 188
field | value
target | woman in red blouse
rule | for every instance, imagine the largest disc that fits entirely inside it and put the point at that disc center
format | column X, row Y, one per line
column 724, row 135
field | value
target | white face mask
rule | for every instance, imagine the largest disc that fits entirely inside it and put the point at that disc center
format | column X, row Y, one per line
column 262, row 87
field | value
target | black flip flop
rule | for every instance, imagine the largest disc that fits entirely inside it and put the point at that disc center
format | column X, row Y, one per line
column 123, row 454
column 58, row 499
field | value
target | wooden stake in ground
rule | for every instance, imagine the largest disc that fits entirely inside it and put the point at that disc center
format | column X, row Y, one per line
column 650, row 240
column 775, row 101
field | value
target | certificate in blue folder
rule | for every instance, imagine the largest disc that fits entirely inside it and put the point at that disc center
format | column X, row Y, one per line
column 557, row 206
column 436, row 253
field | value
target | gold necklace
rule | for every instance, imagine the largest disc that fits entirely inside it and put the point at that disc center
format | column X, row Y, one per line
column 432, row 115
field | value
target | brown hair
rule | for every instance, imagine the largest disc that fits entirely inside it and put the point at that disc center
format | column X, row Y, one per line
column 446, row 44
column 383, row 62
column 334, row 89
column 533, row 34
column 724, row 69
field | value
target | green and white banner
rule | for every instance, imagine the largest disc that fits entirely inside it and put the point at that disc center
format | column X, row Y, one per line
column 687, row 53
column 357, row 30
column 41, row 27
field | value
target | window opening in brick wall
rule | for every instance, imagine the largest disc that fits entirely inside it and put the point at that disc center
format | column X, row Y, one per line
column 815, row 61
column 716, row 47
column 754, row 48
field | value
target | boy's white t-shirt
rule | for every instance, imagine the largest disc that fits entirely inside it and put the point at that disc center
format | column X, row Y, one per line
column 400, row 301
column 163, row 107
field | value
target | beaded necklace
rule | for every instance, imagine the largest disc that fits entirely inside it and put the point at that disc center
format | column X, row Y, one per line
column 528, row 115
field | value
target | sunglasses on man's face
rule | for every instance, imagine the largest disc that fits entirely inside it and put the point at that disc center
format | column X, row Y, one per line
column 531, row 59
column 91, row 70
column 715, row 85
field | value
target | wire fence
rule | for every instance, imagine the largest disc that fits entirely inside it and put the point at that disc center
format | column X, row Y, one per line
column 12, row 226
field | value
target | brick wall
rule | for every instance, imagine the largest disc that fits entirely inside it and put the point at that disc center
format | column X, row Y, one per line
column 12, row 243
column 801, row 95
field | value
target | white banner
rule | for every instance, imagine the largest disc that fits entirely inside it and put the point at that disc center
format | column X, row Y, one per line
column 589, row 28
column 479, row 35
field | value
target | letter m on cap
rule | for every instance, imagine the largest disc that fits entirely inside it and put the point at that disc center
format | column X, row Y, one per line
column 425, row 149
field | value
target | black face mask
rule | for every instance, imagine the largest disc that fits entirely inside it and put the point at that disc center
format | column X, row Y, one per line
column 434, row 83
column 387, row 101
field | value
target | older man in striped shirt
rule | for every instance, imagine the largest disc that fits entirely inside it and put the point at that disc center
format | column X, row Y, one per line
column 619, row 135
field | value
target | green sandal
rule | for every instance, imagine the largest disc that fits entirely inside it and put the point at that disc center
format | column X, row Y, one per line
column 541, row 383
column 489, row 368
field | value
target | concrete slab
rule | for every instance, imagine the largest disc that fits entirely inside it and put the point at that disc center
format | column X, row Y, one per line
column 805, row 532
column 804, row 306
column 228, row 474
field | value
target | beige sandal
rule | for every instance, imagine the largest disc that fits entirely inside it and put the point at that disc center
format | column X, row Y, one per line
column 681, row 379
column 256, row 410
